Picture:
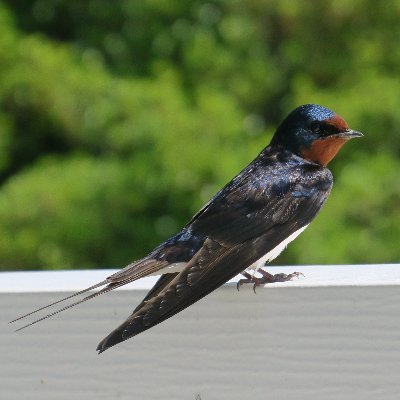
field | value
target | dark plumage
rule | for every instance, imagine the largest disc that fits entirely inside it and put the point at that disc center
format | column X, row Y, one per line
column 273, row 199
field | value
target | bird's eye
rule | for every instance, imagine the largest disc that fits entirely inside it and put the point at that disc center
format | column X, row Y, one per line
column 323, row 129
column 315, row 127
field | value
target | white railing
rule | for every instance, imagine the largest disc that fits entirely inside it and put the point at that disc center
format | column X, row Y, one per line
column 334, row 334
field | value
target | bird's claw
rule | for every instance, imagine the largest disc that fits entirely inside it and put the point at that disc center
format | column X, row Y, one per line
column 297, row 275
column 284, row 277
column 256, row 283
column 266, row 278
column 249, row 279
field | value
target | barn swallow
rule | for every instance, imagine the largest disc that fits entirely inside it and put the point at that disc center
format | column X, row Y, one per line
column 246, row 224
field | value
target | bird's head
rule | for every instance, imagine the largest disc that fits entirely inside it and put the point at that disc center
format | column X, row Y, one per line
column 314, row 133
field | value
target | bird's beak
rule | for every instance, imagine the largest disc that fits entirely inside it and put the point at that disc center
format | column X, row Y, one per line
column 350, row 134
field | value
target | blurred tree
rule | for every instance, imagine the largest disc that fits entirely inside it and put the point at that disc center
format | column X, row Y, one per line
column 119, row 119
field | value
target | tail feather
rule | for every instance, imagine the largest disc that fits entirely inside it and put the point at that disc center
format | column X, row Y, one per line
column 60, row 301
column 91, row 296
column 129, row 274
column 108, row 288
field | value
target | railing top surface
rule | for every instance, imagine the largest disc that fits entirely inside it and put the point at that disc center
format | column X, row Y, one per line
column 315, row 276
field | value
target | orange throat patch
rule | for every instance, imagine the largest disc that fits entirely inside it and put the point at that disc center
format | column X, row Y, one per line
column 323, row 150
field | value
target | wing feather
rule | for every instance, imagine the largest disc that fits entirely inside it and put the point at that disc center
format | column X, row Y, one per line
column 263, row 228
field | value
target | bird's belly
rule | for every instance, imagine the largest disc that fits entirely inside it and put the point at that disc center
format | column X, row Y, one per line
column 276, row 250
column 178, row 267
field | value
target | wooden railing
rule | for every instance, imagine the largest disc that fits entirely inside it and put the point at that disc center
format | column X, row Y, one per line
column 334, row 334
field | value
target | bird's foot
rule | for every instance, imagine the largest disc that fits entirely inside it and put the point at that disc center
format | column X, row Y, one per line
column 249, row 279
column 266, row 278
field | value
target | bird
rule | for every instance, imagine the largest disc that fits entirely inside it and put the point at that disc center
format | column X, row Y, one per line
column 245, row 225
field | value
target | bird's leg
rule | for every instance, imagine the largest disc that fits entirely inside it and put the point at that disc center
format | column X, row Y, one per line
column 249, row 279
column 266, row 278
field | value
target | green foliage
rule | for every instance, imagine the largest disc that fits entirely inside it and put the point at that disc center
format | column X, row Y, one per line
column 118, row 120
